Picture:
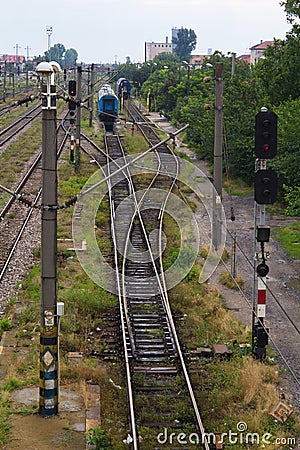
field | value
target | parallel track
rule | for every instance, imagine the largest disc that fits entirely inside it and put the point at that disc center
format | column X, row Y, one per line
column 15, row 127
column 11, row 230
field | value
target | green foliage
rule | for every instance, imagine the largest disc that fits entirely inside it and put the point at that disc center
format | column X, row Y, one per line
column 232, row 283
column 12, row 384
column 278, row 71
column 185, row 97
column 292, row 8
column 292, row 197
column 5, row 325
column 185, row 43
column 65, row 58
column 289, row 237
column 99, row 438
column 287, row 162
column 32, row 284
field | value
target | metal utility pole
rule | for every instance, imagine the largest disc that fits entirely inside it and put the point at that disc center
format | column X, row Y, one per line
column 218, row 143
column 78, row 118
column 27, row 48
column 49, row 363
column 17, row 47
column 4, row 82
column 233, row 57
column 91, row 95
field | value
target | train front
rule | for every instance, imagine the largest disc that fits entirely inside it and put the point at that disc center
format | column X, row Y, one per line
column 108, row 107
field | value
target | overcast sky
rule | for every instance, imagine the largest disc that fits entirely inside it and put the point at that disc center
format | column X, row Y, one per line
column 109, row 30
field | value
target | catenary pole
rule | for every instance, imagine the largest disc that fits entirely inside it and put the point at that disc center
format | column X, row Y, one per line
column 218, row 142
column 91, row 96
column 49, row 389
column 78, row 119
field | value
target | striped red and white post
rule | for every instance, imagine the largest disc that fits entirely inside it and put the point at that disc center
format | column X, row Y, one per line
column 261, row 297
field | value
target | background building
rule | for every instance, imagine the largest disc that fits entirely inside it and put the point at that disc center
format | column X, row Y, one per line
column 258, row 50
column 153, row 49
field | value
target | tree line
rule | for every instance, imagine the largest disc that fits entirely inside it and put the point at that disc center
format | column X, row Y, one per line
column 184, row 95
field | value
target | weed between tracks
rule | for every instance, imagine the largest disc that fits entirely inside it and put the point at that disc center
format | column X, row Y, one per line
column 228, row 390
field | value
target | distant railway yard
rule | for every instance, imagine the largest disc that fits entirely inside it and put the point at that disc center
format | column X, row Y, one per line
column 140, row 308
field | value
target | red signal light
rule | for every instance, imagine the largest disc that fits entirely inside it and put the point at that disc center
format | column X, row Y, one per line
column 266, row 147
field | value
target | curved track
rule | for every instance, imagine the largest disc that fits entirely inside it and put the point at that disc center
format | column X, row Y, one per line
column 160, row 394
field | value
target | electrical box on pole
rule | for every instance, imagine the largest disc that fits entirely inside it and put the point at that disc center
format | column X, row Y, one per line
column 266, row 135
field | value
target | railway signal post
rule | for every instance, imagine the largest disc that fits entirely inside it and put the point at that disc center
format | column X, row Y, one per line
column 265, row 192
column 49, row 363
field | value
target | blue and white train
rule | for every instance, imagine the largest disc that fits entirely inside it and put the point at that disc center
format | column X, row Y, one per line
column 124, row 87
column 108, row 106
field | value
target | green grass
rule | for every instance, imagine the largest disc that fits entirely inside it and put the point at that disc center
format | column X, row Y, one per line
column 289, row 238
column 237, row 187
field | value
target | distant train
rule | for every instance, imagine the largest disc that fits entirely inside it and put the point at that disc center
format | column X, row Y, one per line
column 125, row 87
column 108, row 106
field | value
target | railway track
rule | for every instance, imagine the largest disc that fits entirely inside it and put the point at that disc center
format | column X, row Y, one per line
column 19, row 124
column 15, row 215
column 160, row 394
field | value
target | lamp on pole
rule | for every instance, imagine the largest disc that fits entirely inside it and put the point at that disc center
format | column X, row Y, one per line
column 49, row 361
column 189, row 76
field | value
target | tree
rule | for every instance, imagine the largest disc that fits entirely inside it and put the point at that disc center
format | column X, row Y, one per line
column 292, row 8
column 184, row 43
column 279, row 70
column 65, row 58
column 56, row 53
column 70, row 58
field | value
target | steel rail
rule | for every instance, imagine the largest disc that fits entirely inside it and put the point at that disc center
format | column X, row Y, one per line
column 31, row 208
column 123, row 311
column 36, row 111
column 19, row 235
column 28, row 174
column 165, row 302
column 122, row 293
column 166, row 299
column 124, row 320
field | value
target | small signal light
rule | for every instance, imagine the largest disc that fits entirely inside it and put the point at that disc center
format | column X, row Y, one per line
column 72, row 88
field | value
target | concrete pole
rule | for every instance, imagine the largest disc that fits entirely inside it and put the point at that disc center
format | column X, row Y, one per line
column 4, row 83
column 78, row 119
column 49, row 363
column 218, row 143
column 233, row 57
column 91, row 95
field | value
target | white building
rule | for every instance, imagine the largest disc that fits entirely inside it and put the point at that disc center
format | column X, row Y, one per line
column 153, row 49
